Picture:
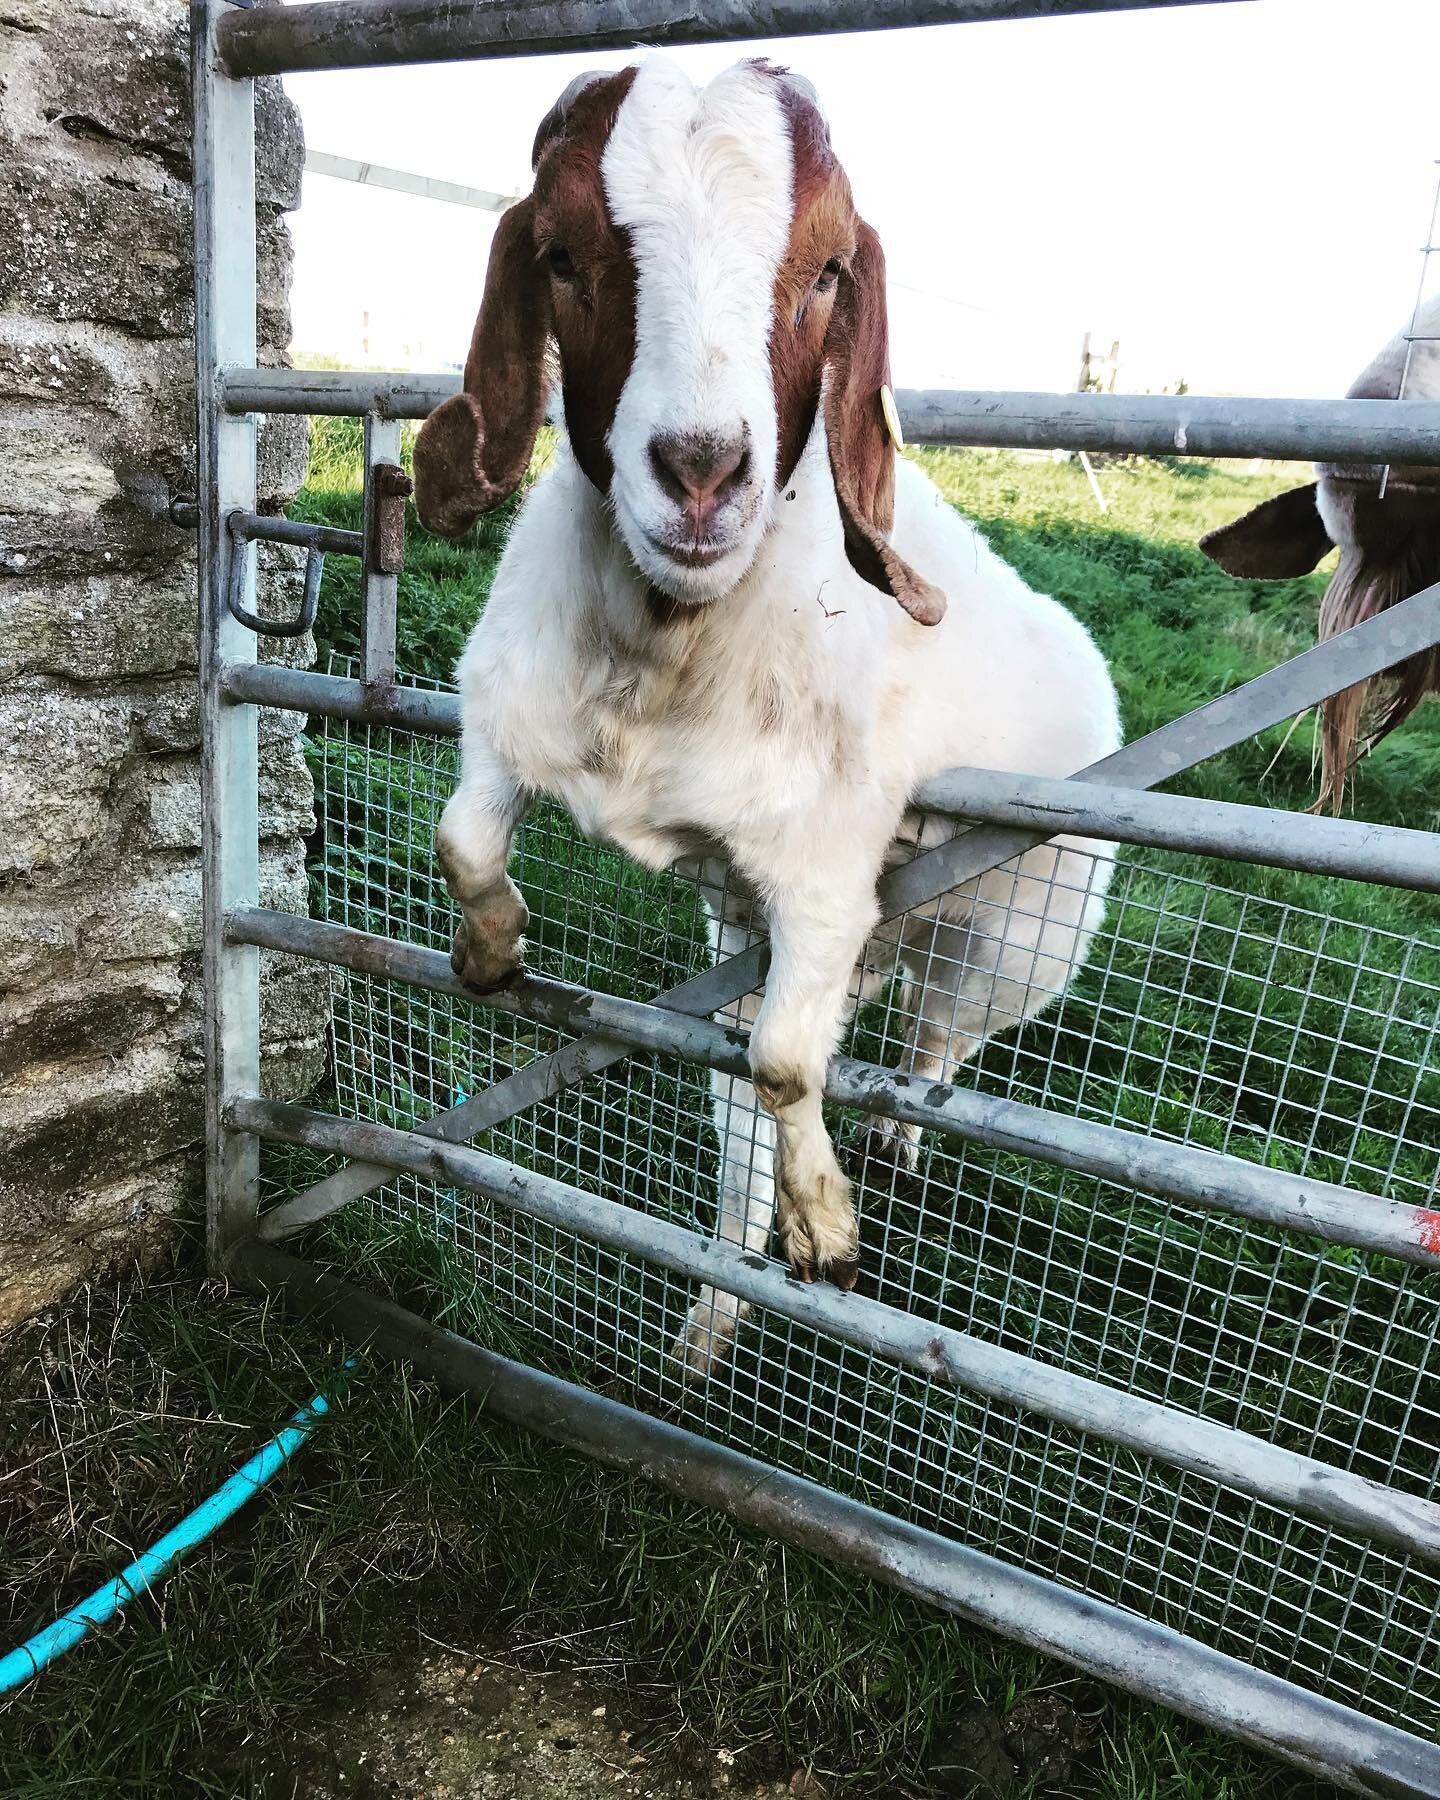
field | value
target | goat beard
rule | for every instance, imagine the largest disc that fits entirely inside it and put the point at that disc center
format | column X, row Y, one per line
column 1355, row 720
column 670, row 609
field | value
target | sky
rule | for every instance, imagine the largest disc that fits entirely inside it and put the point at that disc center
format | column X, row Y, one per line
column 1238, row 193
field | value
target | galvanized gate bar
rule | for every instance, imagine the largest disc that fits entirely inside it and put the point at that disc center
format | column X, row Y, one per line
column 1230, row 719
column 357, row 34
column 1320, row 845
column 1138, row 424
column 1184, row 1440
column 1176, row 1171
column 1217, row 726
column 340, row 697
column 336, row 393
column 1177, row 425
column 1263, row 1710
column 223, row 114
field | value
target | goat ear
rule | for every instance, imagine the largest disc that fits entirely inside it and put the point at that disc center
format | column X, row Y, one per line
column 472, row 452
column 1283, row 536
column 862, row 452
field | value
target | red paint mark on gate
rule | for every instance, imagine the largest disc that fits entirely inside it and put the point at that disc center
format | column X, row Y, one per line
column 1427, row 1225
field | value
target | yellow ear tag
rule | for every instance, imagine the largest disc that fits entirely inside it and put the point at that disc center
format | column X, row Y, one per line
column 892, row 418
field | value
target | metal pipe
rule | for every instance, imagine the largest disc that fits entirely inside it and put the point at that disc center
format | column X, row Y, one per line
column 271, row 528
column 336, row 393
column 1350, row 848
column 1135, row 1654
column 379, row 587
column 954, row 1358
column 1185, row 1172
column 341, row 697
column 1143, row 424
column 405, row 181
column 1290, row 687
column 359, row 34
column 1177, row 425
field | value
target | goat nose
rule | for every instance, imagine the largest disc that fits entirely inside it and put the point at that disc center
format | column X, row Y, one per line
column 699, row 468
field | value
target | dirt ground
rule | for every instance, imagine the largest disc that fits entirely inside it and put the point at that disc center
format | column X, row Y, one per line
column 453, row 1728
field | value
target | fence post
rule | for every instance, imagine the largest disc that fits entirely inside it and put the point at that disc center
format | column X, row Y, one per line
column 224, row 165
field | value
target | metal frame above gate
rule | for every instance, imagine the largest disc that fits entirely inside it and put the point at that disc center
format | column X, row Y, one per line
column 1008, row 813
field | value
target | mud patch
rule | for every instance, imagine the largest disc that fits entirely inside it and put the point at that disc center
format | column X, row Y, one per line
column 449, row 1728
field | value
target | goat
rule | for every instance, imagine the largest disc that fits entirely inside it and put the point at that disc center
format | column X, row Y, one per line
column 685, row 640
column 1387, row 530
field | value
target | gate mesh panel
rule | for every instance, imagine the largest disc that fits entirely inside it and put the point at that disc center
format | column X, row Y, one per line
column 1264, row 1023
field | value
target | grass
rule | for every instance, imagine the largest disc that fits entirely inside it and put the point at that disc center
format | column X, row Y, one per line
column 409, row 1520
column 413, row 1509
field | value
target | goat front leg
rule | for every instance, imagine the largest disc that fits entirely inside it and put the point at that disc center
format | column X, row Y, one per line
column 473, row 847
column 816, row 932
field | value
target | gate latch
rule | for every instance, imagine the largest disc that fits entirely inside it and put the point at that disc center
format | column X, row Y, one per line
column 244, row 528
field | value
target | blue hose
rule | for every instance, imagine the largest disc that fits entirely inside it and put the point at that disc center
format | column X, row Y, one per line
column 154, row 1564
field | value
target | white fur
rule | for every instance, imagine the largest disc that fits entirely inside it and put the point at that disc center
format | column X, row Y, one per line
column 702, row 183
column 773, row 737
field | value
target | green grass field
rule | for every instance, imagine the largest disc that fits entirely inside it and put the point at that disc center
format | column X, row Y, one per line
column 1303, row 1001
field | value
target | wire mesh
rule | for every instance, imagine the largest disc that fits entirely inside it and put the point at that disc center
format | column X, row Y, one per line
column 1267, row 1021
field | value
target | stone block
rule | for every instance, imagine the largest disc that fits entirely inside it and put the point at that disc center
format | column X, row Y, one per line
column 85, row 1018
column 93, row 627
column 71, row 779
column 80, row 248
column 115, row 1222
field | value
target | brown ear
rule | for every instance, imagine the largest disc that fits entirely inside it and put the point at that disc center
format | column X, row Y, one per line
column 862, row 454
column 473, row 450
column 1280, row 537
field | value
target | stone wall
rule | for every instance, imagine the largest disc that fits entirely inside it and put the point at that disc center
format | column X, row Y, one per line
column 100, row 993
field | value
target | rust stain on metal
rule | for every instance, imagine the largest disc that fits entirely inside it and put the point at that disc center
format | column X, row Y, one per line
column 392, row 488
column 935, row 1359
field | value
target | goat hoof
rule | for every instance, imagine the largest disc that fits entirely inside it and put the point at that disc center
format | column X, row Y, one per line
column 482, row 973
column 709, row 1335
column 842, row 1274
column 884, row 1149
column 504, row 980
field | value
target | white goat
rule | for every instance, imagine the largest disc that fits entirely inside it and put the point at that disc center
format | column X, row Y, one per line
column 684, row 641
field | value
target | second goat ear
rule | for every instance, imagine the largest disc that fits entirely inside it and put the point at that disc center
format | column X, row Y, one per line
column 1280, row 537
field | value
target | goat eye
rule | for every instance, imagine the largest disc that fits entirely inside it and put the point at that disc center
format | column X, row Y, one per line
column 561, row 263
column 829, row 275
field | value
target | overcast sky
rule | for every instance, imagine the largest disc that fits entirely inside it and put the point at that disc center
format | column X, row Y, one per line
column 1237, row 192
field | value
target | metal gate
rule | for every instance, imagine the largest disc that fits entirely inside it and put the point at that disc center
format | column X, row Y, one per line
column 1143, row 1371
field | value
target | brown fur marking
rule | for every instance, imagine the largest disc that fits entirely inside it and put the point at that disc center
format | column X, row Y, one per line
column 822, row 226
column 474, row 449
column 1355, row 720
column 847, row 330
column 593, row 316
column 778, row 1088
